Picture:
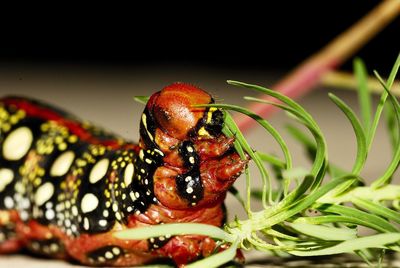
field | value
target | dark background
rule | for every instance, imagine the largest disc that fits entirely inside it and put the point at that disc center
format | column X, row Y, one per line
column 245, row 36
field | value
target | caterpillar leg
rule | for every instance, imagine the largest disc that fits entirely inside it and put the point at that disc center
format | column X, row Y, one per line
column 9, row 241
column 186, row 249
column 42, row 240
column 105, row 250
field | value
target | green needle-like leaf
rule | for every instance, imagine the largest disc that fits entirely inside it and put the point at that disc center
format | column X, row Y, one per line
column 264, row 219
column 319, row 164
column 173, row 229
column 382, row 101
column 324, row 232
column 377, row 209
column 273, row 160
column 385, row 178
column 364, row 96
column 369, row 220
column 142, row 99
column 373, row 241
column 359, row 131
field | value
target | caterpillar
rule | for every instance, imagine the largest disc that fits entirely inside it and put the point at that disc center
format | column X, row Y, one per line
column 66, row 185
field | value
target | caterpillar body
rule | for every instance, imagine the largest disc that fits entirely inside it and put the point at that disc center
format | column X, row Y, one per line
column 66, row 186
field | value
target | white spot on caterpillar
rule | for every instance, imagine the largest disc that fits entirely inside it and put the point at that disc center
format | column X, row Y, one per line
column 191, row 160
column 118, row 216
column 20, row 188
column 133, row 197
column 44, row 193
column 17, row 143
column 99, row 170
column 62, row 164
column 109, row 255
column 6, row 176
column 141, row 155
column 89, row 203
column 189, row 190
column 188, row 178
column 49, row 214
column 102, row 223
column 116, row 251
column 67, row 223
column 24, row 215
column 105, row 213
column 54, row 247
column 86, row 224
column 24, row 203
column 148, row 161
column 74, row 211
column 128, row 174
column 159, row 152
column 8, row 202
column 190, row 149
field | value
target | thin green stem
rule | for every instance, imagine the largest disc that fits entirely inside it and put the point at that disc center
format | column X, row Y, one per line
column 170, row 229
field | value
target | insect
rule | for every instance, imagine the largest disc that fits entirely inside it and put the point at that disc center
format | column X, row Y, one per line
column 66, row 186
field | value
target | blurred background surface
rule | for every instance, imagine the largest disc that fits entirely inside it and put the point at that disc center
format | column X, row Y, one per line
column 94, row 70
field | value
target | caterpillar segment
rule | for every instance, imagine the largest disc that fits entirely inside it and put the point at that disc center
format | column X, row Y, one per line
column 66, row 186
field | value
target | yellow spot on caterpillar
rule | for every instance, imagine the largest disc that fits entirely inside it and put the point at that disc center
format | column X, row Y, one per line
column 14, row 119
column 37, row 182
column 203, row 132
column 62, row 146
column 58, row 139
column 72, row 139
column 209, row 114
column 144, row 120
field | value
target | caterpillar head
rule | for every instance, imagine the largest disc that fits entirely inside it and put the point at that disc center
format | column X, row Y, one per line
column 172, row 111
column 199, row 164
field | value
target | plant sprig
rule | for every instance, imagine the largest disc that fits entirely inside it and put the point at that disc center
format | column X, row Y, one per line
column 343, row 203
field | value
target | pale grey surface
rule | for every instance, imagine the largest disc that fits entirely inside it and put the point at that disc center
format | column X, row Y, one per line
column 105, row 96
